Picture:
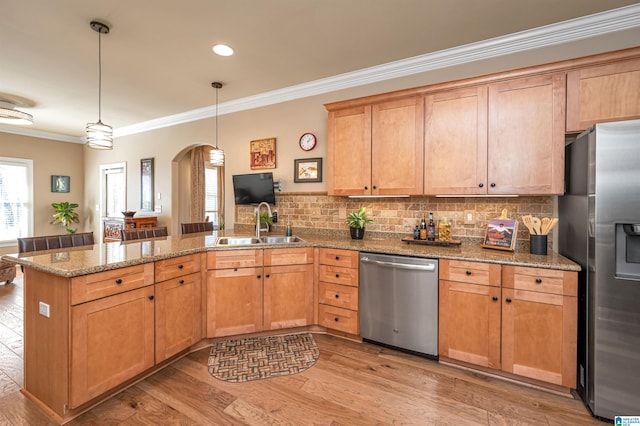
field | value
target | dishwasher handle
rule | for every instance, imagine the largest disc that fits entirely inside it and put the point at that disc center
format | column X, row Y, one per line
column 431, row 267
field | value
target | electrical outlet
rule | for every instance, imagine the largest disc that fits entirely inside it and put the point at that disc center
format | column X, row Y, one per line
column 158, row 209
column 469, row 217
column 43, row 309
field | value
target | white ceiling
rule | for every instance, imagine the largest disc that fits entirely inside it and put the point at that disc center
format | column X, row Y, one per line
column 157, row 60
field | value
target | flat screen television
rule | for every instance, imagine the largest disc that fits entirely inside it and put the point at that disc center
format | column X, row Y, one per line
column 254, row 188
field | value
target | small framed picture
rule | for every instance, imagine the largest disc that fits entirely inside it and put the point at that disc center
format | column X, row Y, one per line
column 263, row 154
column 59, row 183
column 307, row 170
column 501, row 234
column 146, row 185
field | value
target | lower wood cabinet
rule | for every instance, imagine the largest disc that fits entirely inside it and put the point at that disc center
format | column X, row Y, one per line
column 288, row 296
column 112, row 340
column 338, row 290
column 520, row 320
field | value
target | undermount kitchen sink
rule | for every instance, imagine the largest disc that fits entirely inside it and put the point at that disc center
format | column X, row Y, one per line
column 281, row 240
column 237, row 241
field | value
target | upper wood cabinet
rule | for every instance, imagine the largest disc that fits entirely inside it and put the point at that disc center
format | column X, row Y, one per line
column 377, row 149
column 499, row 139
column 456, row 142
column 603, row 93
column 526, row 136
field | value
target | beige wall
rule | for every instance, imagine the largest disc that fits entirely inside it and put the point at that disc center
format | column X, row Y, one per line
column 49, row 158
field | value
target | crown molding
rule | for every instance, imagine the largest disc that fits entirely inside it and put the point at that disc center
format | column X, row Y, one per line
column 25, row 131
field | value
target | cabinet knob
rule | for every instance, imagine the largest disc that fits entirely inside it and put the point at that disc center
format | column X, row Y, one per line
column 481, row 185
column 119, row 281
column 508, row 300
column 180, row 266
column 266, row 275
column 337, row 296
column 235, row 269
column 493, row 185
column 538, row 280
column 375, row 187
column 181, row 282
column 259, row 276
column 495, row 298
column 336, row 319
column 337, row 275
column 337, row 257
column 366, row 187
column 468, row 272
column 151, row 297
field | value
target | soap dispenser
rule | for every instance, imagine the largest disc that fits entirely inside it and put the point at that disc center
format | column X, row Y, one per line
column 289, row 232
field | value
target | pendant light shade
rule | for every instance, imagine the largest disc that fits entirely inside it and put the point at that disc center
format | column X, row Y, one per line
column 99, row 135
column 216, row 155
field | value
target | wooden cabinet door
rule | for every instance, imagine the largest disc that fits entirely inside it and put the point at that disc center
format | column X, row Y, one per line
column 456, row 142
column 112, row 340
column 397, row 146
column 469, row 327
column 234, row 301
column 603, row 93
column 178, row 315
column 288, row 296
column 526, row 136
column 538, row 336
column 349, row 152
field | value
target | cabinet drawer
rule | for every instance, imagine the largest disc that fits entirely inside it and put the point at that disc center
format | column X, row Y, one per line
column 288, row 256
column 223, row 259
column 94, row 286
column 177, row 267
column 540, row 280
column 338, row 257
column 341, row 296
column 338, row 275
column 338, row 318
column 470, row 272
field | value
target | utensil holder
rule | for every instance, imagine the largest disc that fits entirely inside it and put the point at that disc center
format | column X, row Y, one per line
column 538, row 244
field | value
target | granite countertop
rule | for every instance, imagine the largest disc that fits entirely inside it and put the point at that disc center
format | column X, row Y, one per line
column 76, row 261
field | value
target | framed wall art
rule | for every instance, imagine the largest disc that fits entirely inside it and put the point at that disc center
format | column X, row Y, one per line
column 263, row 154
column 307, row 170
column 146, row 185
column 60, row 183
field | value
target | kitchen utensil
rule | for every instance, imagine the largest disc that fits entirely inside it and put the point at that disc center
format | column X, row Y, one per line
column 528, row 223
column 554, row 222
column 535, row 221
column 544, row 225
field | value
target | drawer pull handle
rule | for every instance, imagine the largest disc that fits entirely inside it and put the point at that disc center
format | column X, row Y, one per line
column 336, row 319
column 235, row 269
column 181, row 281
column 495, row 298
column 337, row 275
column 468, row 272
column 151, row 297
column 508, row 300
column 180, row 266
column 538, row 280
column 337, row 296
column 119, row 281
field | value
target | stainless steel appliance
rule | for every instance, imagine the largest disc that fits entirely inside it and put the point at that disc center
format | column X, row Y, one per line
column 599, row 228
column 399, row 302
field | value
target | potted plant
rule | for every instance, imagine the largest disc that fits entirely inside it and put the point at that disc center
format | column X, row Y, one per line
column 356, row 222
column 265, row 221
column 65, row 215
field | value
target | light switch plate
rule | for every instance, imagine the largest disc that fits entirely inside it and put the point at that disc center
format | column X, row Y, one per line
column 43, row 309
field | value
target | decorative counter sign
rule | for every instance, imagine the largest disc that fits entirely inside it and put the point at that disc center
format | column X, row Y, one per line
column 263, row 154
column 501, row 234
column 59, row 183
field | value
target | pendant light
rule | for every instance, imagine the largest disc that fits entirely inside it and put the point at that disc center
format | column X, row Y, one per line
column 216, row 154
column 99, row 135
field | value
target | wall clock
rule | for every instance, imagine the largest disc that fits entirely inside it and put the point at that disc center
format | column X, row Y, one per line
column 308, row 141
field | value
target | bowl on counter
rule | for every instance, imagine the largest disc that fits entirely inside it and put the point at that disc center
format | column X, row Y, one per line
column 128, row 213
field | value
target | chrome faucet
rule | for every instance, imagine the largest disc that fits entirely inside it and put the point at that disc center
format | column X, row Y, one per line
column 258, row 224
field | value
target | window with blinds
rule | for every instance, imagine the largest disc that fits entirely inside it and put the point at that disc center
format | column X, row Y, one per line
column 16, row 199
column 114, row 177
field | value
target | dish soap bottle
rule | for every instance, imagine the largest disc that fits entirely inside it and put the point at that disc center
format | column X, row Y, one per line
column 289, row 233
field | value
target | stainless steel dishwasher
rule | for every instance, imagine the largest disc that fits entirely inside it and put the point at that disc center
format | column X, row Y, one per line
column 399, row 302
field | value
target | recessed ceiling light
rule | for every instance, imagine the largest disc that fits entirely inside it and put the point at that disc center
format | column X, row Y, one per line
column 222, row 50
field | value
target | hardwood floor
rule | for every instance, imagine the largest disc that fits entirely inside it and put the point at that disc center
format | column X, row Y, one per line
column 351, row 384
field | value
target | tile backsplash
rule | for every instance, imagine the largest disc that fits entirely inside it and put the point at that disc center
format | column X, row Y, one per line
column 397, row 216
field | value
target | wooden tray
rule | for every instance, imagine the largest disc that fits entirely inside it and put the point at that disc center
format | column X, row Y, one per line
column 410, row 240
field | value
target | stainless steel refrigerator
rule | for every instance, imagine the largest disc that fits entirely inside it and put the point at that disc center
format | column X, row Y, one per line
column 599, row 228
